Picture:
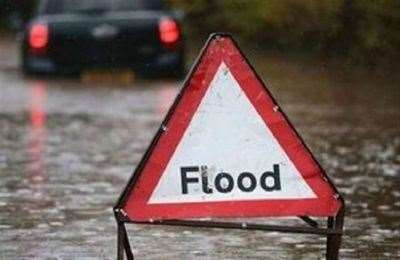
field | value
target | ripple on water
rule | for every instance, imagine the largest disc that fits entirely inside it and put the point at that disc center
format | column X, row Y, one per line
column 57, row 188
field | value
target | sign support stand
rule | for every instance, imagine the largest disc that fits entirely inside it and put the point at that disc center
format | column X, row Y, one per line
column 334, row 240
column 333, row 230
column 123, row 245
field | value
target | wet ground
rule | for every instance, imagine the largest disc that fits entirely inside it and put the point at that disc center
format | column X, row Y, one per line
column 67, row 149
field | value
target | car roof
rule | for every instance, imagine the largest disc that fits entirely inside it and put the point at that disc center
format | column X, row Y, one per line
column 46, row 7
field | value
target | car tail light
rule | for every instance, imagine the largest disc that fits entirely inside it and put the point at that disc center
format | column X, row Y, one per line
column 169, row 32
column 39, row 38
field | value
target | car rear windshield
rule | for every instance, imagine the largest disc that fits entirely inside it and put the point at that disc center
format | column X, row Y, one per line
column 96, row 6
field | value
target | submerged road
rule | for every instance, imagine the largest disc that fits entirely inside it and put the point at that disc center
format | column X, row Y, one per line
column 68, row 146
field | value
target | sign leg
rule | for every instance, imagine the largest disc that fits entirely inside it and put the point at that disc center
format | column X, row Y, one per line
column 334, row 240
column 127, row 246
column 120, row 244
column 123, row 243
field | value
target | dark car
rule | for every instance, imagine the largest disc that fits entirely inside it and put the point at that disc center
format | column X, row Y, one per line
column 73, row 35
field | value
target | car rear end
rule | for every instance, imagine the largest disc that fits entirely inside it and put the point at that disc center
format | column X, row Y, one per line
column 68, row 36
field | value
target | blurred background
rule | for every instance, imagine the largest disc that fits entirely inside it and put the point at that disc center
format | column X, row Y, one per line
column 69, row 143
column 356, row 32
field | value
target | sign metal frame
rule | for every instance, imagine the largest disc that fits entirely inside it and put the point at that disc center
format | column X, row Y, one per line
column 333, row 230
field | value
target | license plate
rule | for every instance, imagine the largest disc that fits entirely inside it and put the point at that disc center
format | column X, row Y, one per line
column 120, row 76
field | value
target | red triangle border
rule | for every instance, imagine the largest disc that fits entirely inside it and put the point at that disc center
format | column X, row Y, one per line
column 222, row 48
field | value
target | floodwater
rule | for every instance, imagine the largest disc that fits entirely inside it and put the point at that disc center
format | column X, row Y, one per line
column 67, row 149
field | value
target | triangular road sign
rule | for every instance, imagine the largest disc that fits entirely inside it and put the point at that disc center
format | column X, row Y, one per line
column 226, row 149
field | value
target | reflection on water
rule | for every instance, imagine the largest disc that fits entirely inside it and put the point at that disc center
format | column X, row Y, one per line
column 38, row 131
column 67, row 150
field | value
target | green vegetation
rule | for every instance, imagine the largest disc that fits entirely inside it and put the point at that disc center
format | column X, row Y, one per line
column 363, row 32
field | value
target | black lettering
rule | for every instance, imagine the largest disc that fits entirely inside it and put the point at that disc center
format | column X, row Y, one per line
column 253, row 182
column 204, row 180
column 275, row 175
column 184, row 178
column 218, row 184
